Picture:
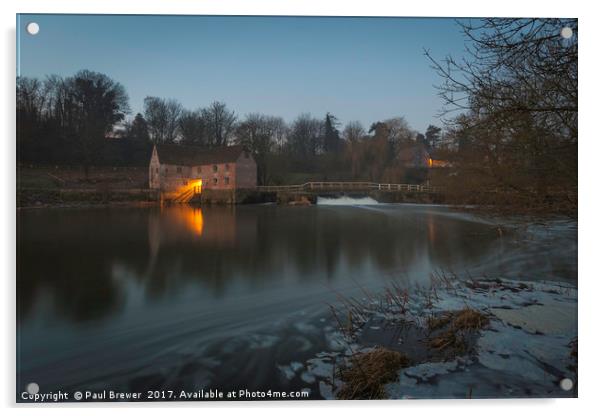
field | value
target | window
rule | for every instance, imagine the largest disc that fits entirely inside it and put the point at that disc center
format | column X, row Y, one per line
column 198, row 169
column 227, row 181
column 179, row 169
column 215, row 168
column 215, row 181
column 227, row 167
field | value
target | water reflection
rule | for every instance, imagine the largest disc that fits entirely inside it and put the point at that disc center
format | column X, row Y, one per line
column 130, row 285
column 67, row 259
column 194, row 218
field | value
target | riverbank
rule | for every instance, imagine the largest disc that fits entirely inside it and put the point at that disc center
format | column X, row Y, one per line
column 69, row 186
column 57, row 197
column 44, row 198
column 39, row 198
column 44, row 186
column 486, row 338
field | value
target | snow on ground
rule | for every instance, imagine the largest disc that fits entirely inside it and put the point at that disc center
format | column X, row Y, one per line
column 525, row 351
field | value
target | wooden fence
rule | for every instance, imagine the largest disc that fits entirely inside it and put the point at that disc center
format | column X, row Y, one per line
column 311, row 187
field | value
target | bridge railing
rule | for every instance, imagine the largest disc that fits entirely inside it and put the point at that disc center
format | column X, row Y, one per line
column 348, row 186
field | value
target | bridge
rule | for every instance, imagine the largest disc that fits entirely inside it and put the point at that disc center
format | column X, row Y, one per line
column 317, row 188
column 327, row 187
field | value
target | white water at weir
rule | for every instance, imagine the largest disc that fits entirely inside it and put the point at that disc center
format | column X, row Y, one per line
column 345, row 200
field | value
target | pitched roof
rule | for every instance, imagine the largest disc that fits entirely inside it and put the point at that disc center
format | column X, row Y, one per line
column 175, row 154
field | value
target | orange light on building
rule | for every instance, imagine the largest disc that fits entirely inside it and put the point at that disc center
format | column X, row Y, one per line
column 430, row 162
column 197, row 186
column 190, row 188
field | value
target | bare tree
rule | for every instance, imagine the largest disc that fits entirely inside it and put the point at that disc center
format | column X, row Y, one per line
column 259, row 134
column 280, row 132
column 220, row 123
column 193, row 130
column 156, row 117
column 162, row 117
column 173, row 110
column 31, row 97
column 515, row 66
column 306, row 136
column 516, row 92
column 354, row 131
column 399, row 131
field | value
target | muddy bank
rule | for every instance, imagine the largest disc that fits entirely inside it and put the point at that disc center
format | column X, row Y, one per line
column 83, row 197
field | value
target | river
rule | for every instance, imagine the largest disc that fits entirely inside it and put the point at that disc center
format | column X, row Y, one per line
column 222, row 297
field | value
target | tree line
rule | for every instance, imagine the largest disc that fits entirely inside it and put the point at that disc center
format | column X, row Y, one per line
column 81, row 120
column 67, row 120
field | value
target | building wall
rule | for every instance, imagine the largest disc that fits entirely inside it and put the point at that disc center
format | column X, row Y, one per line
column 219, row 176
column 174, row 178
column 153, row 171
column 246, row 172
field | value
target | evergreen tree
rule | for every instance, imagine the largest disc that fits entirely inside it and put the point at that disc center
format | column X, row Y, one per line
column 433, row 136
column 331, row 134
column 139, row 130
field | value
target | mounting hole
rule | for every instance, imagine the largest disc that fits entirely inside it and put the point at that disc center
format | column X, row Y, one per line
column 33, row 28
column 566, row 32
column 566, row 384
column 33, row 388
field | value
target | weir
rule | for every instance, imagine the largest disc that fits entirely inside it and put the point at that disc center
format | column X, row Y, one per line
column 346, row 201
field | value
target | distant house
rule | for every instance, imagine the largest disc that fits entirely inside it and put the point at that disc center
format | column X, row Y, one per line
column 418, row 155
column 438, row 160
column 176, row 169
column 412, row 154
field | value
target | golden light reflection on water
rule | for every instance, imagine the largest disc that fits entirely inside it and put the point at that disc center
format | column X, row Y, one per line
column 194, row 220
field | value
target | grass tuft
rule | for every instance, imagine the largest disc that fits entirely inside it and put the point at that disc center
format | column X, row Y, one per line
column 455, row 327
column 369, row 372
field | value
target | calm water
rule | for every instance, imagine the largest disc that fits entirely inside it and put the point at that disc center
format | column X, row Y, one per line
column 136, row 298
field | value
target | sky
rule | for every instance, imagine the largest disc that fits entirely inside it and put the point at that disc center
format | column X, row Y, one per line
column 365, row 69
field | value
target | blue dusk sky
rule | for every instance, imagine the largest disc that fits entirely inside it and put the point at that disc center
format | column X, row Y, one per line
column 365, row 69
